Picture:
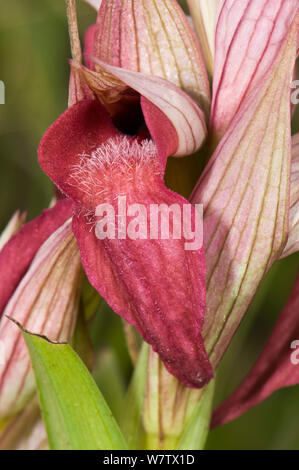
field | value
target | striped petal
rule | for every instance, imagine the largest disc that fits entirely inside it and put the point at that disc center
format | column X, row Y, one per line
column 167, row 406
column 249, row 37
column 153, row 37
column 245, row 193
column 277, row 366
column 45, row 302
column 183, row 114
column 122, row 62
column 204, row 14
column 12, row 227
column 95, row 164
column 24, row 245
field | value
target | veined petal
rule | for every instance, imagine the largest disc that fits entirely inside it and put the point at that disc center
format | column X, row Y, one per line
column 167, row 309
column 45, row 302
column 167, row 407
column 293, row 239
column 78, row 88
column 249, row 37
column 88, row 44
column 204, row 15
column 182, row 112
column 245, row 194
column 108, row 89
column 12, row 227
column 18, row 253
column 153, row 37
column 276, row 367
column 113, row 85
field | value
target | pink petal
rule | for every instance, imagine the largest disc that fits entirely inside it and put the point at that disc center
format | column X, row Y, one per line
column 78, row 87
column 13, row 226
column 276, row 367
column 110, row 91
column 140, row 278
column 249, row 37
column 132, row 34
column 168, row 407
column 245, row 194
column 79, row 130
column 18, row 253
column 88, row 44
column 45, row 302
column 204, row 15
column 292, row 245
column 182, row 112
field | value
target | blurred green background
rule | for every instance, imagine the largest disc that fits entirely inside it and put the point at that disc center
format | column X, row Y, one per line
column 34, row 50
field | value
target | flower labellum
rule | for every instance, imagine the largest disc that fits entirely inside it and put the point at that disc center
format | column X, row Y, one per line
column 95, row 165
column 126, row 36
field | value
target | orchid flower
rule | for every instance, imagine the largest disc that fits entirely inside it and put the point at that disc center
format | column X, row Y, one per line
column 92, row 162
column 139, row 94
column 98, row 164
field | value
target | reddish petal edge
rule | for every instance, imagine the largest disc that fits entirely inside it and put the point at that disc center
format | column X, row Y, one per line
column 78, row 131
column 17, row 254
column 141, row 282
column 274, row 368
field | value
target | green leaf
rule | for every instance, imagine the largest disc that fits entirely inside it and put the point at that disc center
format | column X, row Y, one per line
column 74, row 411
column 196, row 432
column 131, row 419
column 109, row 379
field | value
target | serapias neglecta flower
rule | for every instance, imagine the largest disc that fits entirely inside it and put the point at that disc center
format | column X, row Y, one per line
column 171, row 89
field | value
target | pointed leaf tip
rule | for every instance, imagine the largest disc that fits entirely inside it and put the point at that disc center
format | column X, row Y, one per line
column 74, row 411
